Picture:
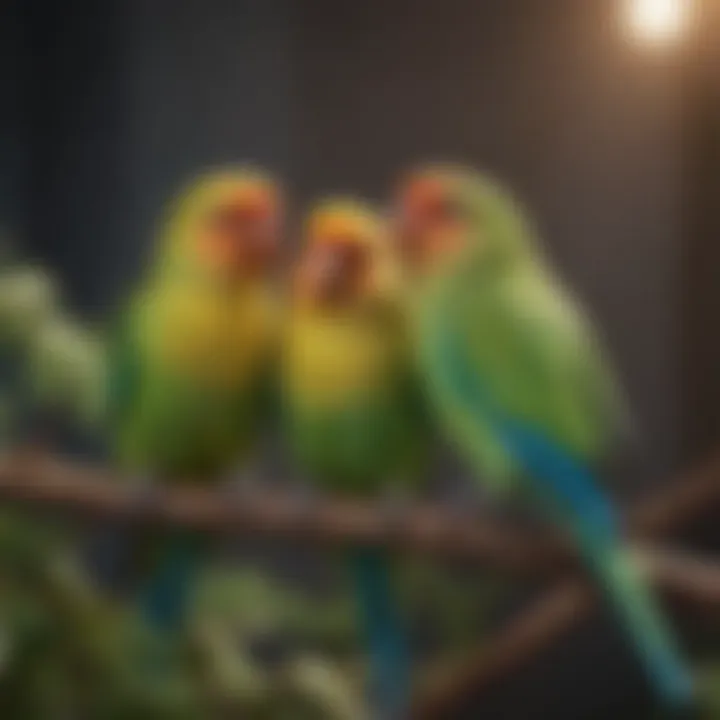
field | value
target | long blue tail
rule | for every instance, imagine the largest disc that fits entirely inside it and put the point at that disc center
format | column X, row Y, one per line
column 389, row 656
column 570, row 493
column 165, row 598
column 572, row 496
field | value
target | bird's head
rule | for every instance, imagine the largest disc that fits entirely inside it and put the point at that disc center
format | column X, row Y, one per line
column 345, row 258
column 227, row 226
column 443, row 213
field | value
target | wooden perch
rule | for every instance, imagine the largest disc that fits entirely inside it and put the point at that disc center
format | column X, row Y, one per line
column 44, row 481
column 47, row 482
column 685, row 579
column 549, row 618
column 682, row 578
column 679, row 503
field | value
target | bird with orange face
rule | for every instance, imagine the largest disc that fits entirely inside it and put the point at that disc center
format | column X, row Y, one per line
column 189, row 368
column 353, row 418
column 517, row 378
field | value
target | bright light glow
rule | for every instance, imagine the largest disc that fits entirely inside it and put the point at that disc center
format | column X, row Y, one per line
column 657, row 22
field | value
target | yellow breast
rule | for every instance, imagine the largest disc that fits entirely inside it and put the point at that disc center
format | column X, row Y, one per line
column 331, row 360
column 223, row 339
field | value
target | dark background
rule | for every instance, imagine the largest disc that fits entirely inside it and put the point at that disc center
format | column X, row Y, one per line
column 109, row 106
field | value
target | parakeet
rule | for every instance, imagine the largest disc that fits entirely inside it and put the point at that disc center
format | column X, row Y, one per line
column 353, row 418
column 517, row 378
column 189, row 366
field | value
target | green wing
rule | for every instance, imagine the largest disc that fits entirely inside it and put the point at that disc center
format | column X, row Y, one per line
column 124, row 372
column 518, row 344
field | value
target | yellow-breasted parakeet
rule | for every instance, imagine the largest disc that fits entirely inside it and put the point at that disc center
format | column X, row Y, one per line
column 353, row 417
column 190, row 364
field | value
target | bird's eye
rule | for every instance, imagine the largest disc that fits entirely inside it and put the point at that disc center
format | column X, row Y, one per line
column 431, row 205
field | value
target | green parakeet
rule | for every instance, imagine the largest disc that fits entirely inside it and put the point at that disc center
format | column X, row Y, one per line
column 189, row 368
column 515, row 373
column 353, row 419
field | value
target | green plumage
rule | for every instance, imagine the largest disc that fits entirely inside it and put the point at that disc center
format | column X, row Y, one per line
column 520, row 384
column 520, row 331
column 361, row 430
column 351, row 408
column 192, row 354
column 173, row 420
column 191, row 358
column 353, row 416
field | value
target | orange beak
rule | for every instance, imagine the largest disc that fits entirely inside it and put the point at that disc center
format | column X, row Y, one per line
column 323, row 272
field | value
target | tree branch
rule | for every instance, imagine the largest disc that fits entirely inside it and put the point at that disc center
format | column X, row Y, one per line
column 683, row 578
column 43, row 481
column 690, row 580
column 46, row 482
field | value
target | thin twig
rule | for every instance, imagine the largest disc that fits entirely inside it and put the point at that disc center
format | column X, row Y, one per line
column 555, row 614
column 428, row 529
column 682, row 577
column 691, row 580
column 678, row 503
column 45, row 481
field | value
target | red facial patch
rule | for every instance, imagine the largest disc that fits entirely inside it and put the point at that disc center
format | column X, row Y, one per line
column 242, row 232
column 230, row 221
column 425, row 200
column 431, row 221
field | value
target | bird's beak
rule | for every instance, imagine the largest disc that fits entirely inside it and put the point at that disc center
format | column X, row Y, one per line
column 222, row 252
column 324, row 273
column 261, row 249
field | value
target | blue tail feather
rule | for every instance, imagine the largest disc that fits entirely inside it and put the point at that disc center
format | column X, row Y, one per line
column 164, row 600
column 564, row 485
column 573, row 497
column 389, row 655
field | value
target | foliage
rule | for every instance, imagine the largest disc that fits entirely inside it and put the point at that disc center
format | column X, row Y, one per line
column 49, row 362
